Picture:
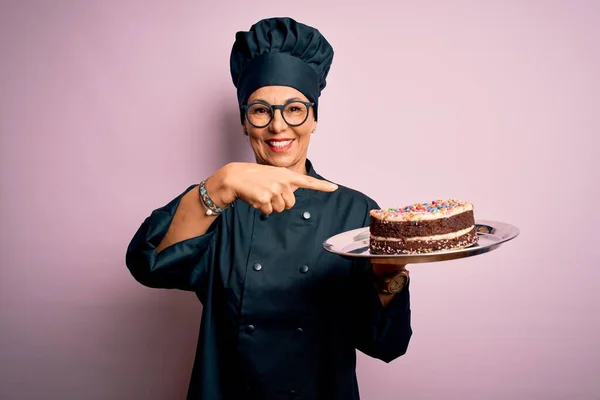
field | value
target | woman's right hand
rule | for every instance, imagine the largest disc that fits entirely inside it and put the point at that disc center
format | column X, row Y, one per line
column 267, row 188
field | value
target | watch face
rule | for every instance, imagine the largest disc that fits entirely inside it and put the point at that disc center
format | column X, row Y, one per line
column 397, row 284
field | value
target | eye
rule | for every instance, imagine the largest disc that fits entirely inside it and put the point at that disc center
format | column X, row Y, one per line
column 295, row 108
column 259, row 110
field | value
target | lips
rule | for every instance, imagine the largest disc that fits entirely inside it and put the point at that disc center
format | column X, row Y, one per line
column 279, row 145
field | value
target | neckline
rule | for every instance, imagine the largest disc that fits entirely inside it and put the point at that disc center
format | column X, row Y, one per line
column 303, row 194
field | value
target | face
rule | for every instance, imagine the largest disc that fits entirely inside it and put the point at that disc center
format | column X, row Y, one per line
column 279, row 144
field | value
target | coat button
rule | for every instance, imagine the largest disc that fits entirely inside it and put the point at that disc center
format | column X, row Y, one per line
column 299, row 331
column 264, row 216
column 293, row 393
column 304, row 269
column 306, row 215
column 257, row 267
column 250, row 328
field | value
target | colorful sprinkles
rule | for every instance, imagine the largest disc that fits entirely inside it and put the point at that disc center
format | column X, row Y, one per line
column 427, row 207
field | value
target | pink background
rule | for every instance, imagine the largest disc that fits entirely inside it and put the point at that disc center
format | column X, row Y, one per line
column 108, row 109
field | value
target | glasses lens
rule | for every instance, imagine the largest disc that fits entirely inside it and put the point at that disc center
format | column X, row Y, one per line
column 295, row 113
column 259, row 114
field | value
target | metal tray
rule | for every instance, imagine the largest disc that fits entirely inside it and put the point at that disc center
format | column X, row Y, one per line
column 355, row 244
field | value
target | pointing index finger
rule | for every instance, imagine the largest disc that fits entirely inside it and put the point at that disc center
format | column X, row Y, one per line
column 308, row 182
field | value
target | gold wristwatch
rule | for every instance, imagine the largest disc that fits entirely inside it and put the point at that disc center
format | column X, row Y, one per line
column 392, row 282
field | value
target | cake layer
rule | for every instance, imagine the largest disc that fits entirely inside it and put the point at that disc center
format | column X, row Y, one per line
column 449, row 235
column 419, row 228
column 435, row 210
column 420, row 245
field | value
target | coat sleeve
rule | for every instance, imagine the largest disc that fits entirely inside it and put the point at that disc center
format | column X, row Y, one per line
column 183, row 265
column 382, row 333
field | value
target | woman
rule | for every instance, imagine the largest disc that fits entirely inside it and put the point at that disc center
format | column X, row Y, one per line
column 282, row 318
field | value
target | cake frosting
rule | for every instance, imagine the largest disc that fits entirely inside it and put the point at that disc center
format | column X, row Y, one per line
column 439, row 225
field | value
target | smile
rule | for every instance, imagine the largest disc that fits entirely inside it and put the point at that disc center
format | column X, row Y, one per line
column 279, row 145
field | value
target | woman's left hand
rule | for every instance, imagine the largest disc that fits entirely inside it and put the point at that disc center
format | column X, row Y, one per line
column 380, row 269
column 387, row 277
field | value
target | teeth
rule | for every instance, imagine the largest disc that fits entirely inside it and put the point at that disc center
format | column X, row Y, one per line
column 279, row 144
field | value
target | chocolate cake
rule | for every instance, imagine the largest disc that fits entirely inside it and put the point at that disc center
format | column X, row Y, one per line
column 423, row 228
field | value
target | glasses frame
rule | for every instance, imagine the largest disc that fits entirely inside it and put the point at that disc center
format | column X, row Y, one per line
column 273, row 107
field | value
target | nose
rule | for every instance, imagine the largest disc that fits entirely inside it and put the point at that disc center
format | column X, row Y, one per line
column 278, row 124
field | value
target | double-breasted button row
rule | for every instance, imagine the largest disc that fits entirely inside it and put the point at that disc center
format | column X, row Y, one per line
column 305, row 215
column 258, row 266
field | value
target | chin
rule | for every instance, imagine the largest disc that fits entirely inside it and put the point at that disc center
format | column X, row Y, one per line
column 283, row 161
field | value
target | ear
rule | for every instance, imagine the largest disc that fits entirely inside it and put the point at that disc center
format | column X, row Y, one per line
column 245, row 130
column 314, row 129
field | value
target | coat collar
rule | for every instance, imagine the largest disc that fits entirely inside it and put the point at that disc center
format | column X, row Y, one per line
column 302, row 194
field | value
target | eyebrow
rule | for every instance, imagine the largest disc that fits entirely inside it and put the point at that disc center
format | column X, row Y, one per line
column 290, row 99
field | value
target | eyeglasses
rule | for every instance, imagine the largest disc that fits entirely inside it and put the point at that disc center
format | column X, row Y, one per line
column 260, row 113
